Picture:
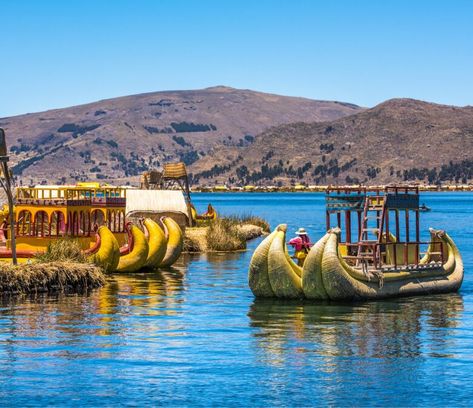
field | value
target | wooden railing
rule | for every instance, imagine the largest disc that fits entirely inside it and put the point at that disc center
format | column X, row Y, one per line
column 378, row 249
column 68, row 193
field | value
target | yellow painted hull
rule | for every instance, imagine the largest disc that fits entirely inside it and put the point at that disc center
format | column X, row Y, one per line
column 175, row 241
column 135, row 259
column 157, row 243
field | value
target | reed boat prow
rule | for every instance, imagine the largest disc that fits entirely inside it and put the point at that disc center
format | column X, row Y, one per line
column 174, row 241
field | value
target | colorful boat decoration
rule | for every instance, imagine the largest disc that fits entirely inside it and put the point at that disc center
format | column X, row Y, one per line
column 386, row 259
column 94, row 216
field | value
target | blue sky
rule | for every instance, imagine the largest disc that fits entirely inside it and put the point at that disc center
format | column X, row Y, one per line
column 62, row 53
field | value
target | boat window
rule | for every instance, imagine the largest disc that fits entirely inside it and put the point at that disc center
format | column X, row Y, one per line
column 23, row 223
column 41, row 224
column 57, row 226
column 97, row 218
column 113, row 221
column 73, row 223
column 121, row 221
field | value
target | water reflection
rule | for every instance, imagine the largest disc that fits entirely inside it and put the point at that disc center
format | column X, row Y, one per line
column 153, row 293
column 67, row 318
column 213, row 258
column 389, row 329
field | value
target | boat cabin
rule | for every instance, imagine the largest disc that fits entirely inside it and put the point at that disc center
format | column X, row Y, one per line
column 379, row 228
column 43, row 214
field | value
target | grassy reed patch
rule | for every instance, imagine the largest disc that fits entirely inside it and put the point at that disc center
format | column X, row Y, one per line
column 255, row 220
column 36, row 277
column 239, row 219
column 223, row 234
column 63, row 250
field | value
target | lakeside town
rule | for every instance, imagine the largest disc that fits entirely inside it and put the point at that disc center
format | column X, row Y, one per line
column 299, row 188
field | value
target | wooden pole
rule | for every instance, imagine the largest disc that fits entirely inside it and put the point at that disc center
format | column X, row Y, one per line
column 406, row 246
column 397, row 225
column 348, row 226
column 417, row 235
column 7, row 187
column 359, row 224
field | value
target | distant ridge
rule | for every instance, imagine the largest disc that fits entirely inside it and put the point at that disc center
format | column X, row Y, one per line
column 397, row 140
column 118, row 138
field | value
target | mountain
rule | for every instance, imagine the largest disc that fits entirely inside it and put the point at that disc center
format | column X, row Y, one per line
column 398, row 140
column 119, row 138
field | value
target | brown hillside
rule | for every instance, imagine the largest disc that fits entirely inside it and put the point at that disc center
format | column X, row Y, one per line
column 401, row 139
column 119, row 138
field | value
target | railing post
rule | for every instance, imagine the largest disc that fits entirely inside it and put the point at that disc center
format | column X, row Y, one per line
column 417, row 237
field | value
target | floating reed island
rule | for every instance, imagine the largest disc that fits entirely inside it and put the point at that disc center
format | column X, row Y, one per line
column 54, row 277
column 226, row 234
column 62, row 268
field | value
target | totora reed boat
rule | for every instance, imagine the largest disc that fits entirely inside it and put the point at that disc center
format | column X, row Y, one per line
column 94, row 216
column 388, row 258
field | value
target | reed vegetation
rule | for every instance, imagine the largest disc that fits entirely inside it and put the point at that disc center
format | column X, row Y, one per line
column 53, row 277
column 240, row 219
column 63, row 250
column 224, row 234
column 255, row 220
column 62, row 268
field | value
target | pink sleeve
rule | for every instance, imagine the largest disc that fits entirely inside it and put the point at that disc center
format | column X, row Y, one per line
column 294, row 241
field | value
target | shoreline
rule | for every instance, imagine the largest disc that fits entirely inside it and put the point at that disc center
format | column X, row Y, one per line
column 262, row 190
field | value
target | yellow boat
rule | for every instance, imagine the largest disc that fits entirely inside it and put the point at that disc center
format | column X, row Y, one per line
column 94, row 216
column 134, row 254
column 46, row 214
column 387, row 259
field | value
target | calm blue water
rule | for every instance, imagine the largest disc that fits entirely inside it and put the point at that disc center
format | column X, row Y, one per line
column 196, row 336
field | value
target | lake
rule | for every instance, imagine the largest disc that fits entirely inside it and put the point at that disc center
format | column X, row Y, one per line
column 195, row 335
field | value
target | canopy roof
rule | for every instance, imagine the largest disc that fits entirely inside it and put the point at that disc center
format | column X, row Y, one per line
column 155, row 201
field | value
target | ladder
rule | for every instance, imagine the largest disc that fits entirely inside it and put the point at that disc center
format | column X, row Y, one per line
column 374, row 204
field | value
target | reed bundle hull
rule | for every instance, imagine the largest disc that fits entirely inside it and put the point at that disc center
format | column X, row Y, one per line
column 327, row 276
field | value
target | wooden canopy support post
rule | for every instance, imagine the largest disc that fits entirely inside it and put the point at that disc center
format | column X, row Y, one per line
column 417, row 236
column 348, row 226
column 6, row 185
column 176, row 174
column 397, row 226
column 406, row 247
